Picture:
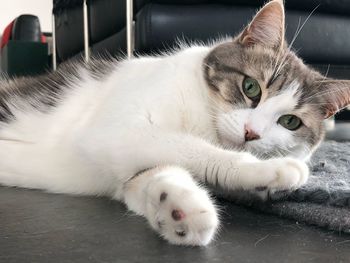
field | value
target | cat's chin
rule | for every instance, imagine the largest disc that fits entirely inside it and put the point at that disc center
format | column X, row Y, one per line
column 239, row 144
column 252, row 147
column 233, row 144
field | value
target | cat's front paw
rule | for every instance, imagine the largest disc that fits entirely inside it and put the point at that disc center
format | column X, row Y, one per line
column 183, row 215
column 285, row 173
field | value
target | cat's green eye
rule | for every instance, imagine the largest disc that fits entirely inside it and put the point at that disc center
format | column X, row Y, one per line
column 251, row 88
column 290, row 122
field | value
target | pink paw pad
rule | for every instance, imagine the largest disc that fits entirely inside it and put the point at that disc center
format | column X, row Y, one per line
column 177, row 215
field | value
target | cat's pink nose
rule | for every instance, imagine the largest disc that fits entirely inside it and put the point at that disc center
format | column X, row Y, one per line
column 249, row 134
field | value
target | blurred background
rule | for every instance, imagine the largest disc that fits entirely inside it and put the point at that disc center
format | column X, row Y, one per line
column 10, row 9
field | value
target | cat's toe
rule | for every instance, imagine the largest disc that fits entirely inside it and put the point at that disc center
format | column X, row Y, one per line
column 190, row 223
column 185, row 217
column 302, row 170
column 289, row 174
column 197, row 230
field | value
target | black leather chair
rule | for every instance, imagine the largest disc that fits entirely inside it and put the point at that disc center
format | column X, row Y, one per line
column 324, row 40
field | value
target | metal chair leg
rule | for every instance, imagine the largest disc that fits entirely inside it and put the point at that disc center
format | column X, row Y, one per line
column 54, row 58
column 86, row 32
column 129, row 28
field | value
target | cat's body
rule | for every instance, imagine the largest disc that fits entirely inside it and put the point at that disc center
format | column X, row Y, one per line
column 107, row 121
column 143, row 131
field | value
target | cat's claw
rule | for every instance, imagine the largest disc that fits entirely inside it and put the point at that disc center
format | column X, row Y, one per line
column 182, row 215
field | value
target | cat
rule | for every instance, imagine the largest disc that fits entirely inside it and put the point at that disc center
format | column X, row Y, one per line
column 243, row 113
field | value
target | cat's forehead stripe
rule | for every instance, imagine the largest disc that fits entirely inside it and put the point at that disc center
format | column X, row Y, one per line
column 229, row 69
column 286, row 99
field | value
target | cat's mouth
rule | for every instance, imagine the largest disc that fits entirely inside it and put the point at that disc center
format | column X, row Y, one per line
column 233, row 143
column 238, row 142
column 249, row 146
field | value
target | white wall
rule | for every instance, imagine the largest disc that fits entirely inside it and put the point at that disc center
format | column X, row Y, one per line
column 10, row 9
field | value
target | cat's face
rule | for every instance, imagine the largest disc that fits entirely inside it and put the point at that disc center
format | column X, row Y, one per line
column 264, row 99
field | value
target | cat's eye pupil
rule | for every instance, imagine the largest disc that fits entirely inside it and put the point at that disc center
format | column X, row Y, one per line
column 251, row 88
column 288, row 119
column 290, row 122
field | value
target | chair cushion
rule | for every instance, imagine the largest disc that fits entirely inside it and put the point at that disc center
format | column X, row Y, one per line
column 325, row 38
column 324, row 6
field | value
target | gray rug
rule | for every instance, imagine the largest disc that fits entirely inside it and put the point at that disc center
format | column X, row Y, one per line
column 324, row 201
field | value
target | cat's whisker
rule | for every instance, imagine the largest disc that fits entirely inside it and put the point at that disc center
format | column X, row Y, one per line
column 228, row 125
column 335, row 90
column 302, row 26
column 324, row 78
column 280, row 63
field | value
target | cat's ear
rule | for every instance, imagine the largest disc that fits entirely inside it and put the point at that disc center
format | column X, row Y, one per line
column 334, row 96
column 267, row 27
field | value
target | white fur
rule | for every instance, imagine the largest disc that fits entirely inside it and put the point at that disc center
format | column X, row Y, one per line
column 149, row 112
column 183, row 193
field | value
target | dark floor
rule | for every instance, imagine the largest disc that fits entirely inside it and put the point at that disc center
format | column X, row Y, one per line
column 40, row 227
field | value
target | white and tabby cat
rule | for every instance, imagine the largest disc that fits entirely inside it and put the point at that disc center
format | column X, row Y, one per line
column 147, row 131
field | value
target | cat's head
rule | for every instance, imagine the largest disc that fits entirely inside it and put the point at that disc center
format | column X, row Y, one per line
column 265, row 99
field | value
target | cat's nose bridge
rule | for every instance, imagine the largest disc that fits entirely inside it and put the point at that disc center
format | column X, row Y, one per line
column 258, row 122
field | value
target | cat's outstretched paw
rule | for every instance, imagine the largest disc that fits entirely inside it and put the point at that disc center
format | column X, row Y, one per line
column 284, row 174
column 180, row 211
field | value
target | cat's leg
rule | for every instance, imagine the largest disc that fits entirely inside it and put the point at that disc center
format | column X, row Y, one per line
column 232, row 170
column 226, row 168
column 174, row 205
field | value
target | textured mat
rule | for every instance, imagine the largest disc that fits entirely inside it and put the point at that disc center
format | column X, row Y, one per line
column 324, row 201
